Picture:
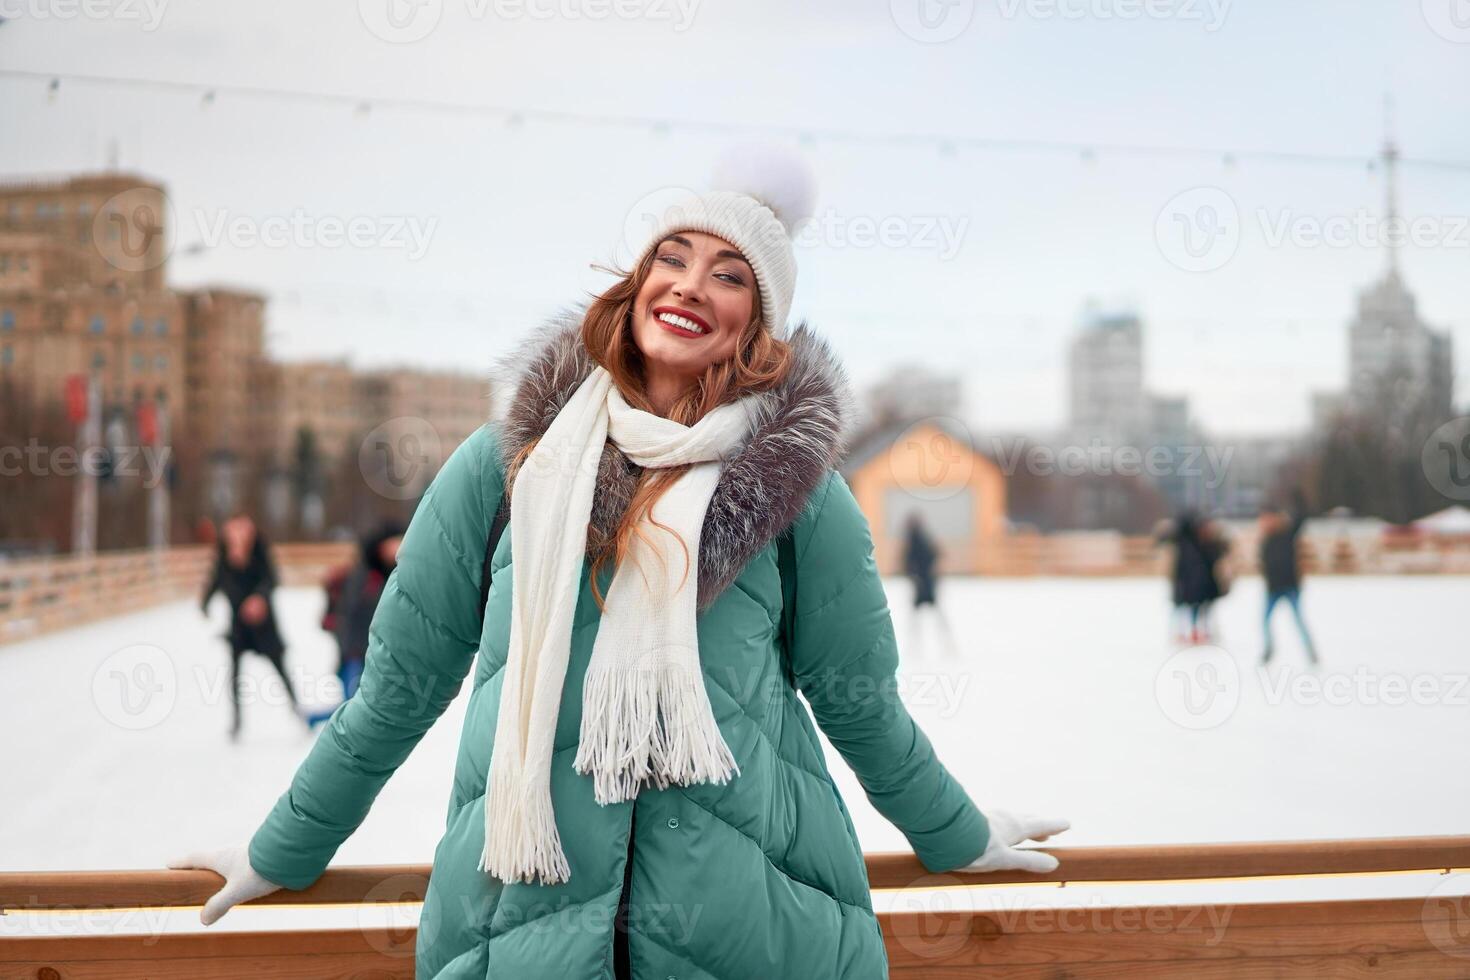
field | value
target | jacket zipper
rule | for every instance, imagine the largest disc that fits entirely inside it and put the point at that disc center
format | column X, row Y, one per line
column 622, row 965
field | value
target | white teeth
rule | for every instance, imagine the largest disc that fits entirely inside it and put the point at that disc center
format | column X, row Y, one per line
column 680, row 321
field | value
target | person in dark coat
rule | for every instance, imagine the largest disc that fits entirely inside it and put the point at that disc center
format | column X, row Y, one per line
column 1281, row 569
column 920, row 560
column 244, row 573
column 1195, row 578
column 352, row 613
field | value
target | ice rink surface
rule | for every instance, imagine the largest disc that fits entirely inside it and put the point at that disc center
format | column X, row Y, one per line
column 1065, row 697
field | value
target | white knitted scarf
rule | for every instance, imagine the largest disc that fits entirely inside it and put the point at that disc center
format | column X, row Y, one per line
column 645, row 711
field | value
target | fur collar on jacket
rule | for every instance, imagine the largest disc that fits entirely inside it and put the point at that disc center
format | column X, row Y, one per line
column 800, row 430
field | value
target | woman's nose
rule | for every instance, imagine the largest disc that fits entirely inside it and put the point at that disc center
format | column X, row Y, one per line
column 687, row 289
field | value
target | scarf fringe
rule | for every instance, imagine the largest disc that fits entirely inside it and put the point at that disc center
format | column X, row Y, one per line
column 649, row 724
column 521, row 838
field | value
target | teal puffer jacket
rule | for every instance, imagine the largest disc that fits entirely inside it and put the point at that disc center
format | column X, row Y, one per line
column 761, row 877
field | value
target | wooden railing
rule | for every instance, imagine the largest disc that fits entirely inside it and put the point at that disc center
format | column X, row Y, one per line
column 1425, row 937
column 38, row 595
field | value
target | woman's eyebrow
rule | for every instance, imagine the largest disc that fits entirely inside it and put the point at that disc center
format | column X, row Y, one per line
column 724, row 253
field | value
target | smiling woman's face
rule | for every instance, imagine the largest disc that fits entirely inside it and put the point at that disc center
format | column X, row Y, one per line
column 698, row 298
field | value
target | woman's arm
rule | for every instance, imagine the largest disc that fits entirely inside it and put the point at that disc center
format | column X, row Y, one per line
column 421, row 643
column 845, row 658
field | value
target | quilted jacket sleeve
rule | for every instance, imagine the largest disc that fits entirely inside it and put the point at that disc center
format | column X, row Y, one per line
column 845, row 658
column 421, row 644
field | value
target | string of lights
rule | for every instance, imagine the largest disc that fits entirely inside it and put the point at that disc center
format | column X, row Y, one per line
column 363, row 106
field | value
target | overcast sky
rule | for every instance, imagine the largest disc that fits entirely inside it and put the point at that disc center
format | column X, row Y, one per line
column 474, row 228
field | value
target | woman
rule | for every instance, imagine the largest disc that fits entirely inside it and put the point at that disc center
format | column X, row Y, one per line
column 585, row 838
column 243, row 571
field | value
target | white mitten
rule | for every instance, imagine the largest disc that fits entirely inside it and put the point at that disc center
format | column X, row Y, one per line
column 1007, row 829
column 241, row 882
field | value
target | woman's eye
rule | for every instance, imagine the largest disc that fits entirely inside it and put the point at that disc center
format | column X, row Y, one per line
column 671, row 259
column 731, row 277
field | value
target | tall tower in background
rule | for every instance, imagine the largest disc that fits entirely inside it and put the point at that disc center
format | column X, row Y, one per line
column 1397, row 363
column 1107, row 400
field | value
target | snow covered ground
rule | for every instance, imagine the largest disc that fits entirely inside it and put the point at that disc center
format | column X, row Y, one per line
column 1065, row 698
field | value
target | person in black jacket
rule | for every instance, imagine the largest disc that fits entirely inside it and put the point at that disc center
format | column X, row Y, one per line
column 1282, row 570
column 356, row 604
column 920, row 560
column 1198, row 548
column 244, row 573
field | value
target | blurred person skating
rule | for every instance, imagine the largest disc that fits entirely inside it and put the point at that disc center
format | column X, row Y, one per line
column 1167, row 532
column 353, row 598
column 1192, row 575
column 1281, row 569
column 1215, row 545
column 920, row 563
column 244, row 573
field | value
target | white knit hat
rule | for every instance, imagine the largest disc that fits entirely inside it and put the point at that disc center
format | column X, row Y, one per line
column 761, row 195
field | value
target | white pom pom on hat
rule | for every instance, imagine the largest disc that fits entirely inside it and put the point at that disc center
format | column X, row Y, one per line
column 761, row 194
column 774, row 176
